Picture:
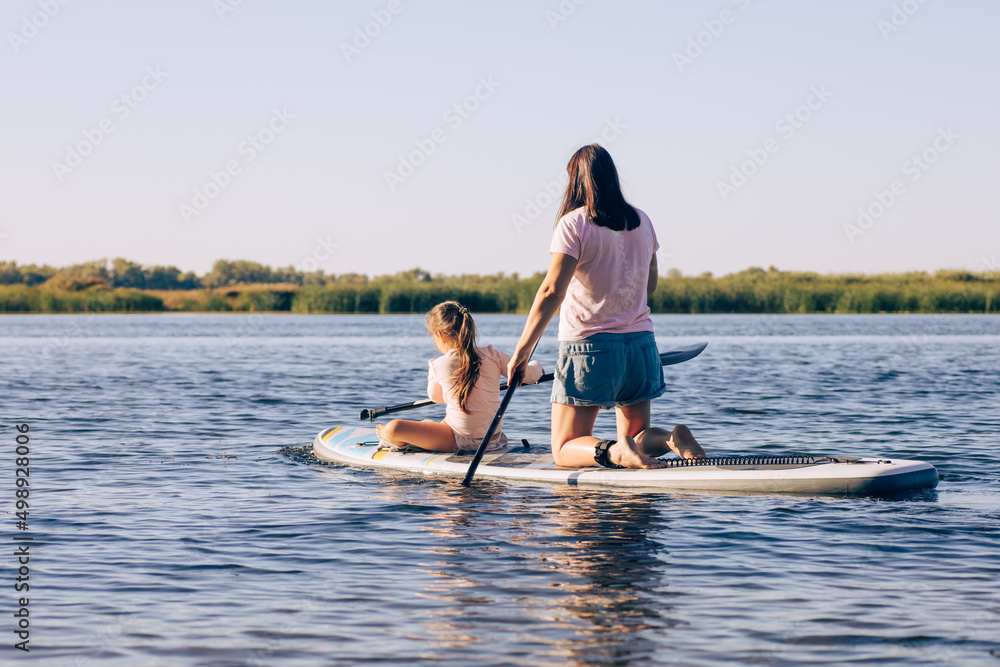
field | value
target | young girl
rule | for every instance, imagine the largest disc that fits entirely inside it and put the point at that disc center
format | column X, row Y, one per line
column 466, row 378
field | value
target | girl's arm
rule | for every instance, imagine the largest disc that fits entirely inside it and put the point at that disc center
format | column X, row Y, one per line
column 547, row 301
column 653, row 277
column 532, row 372
column 434, row 390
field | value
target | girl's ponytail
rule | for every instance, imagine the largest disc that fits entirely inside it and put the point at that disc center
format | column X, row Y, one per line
column 467, row 373
column 454, row 321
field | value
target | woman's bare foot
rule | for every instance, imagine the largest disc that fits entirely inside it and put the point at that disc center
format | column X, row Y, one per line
column 687, row 451
column 626, row 453
column 683, row 444
column 378, row 431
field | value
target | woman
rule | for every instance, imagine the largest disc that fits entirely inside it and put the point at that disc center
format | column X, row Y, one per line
column 603, row 268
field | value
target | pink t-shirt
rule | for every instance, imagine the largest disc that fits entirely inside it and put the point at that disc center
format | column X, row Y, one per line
column 484, row 399
column 607, row 293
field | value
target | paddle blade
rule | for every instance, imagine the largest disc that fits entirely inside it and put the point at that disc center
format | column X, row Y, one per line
column 682, row 354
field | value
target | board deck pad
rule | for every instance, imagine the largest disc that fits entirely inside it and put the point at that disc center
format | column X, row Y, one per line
column 766, row 474
column 522, row 457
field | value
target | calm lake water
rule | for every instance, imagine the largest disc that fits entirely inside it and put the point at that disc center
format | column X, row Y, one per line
column 175, row 523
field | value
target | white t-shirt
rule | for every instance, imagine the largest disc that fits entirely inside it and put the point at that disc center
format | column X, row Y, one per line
column 484, row 399
column 607, row 293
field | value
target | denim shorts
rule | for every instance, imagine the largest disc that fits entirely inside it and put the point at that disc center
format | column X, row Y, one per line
column 608, row 370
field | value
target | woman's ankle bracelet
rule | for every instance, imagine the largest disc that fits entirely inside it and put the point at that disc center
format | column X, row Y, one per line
column 602, row 456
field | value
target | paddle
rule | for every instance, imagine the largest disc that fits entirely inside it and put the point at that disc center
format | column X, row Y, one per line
column 667, row 359
column 512, row 385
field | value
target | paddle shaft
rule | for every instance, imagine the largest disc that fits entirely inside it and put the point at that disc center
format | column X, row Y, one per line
column 375, row 414
column 667, row 359
column 470, row 473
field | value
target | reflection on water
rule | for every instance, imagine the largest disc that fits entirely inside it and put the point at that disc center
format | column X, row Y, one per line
column 583, row 566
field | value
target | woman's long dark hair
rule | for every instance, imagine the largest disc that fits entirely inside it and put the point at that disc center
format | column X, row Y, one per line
column 593, row 184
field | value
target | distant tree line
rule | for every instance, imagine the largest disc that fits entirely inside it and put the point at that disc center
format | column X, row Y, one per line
column 115, row 273
column 122, row 286
column 755, row 290
column 123, row 273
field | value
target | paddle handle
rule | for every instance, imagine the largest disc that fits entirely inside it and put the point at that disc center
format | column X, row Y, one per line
column 470, row 473
column 373, row 414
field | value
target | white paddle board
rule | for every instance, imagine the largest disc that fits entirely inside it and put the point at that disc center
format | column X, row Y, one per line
column 823, row 475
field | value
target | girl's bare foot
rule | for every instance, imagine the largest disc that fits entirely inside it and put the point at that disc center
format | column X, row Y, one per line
column 626, row 453
column 378, row 431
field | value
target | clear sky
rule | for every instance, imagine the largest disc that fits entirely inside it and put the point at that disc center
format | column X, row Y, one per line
column 858, row 135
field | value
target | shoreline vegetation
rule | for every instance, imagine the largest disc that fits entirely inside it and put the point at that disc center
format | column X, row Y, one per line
column 121, row 286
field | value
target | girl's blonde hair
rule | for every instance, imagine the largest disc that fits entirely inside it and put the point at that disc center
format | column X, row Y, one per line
column 452, row 320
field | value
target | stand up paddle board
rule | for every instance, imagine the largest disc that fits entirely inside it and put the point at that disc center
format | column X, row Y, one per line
column 822, row 475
